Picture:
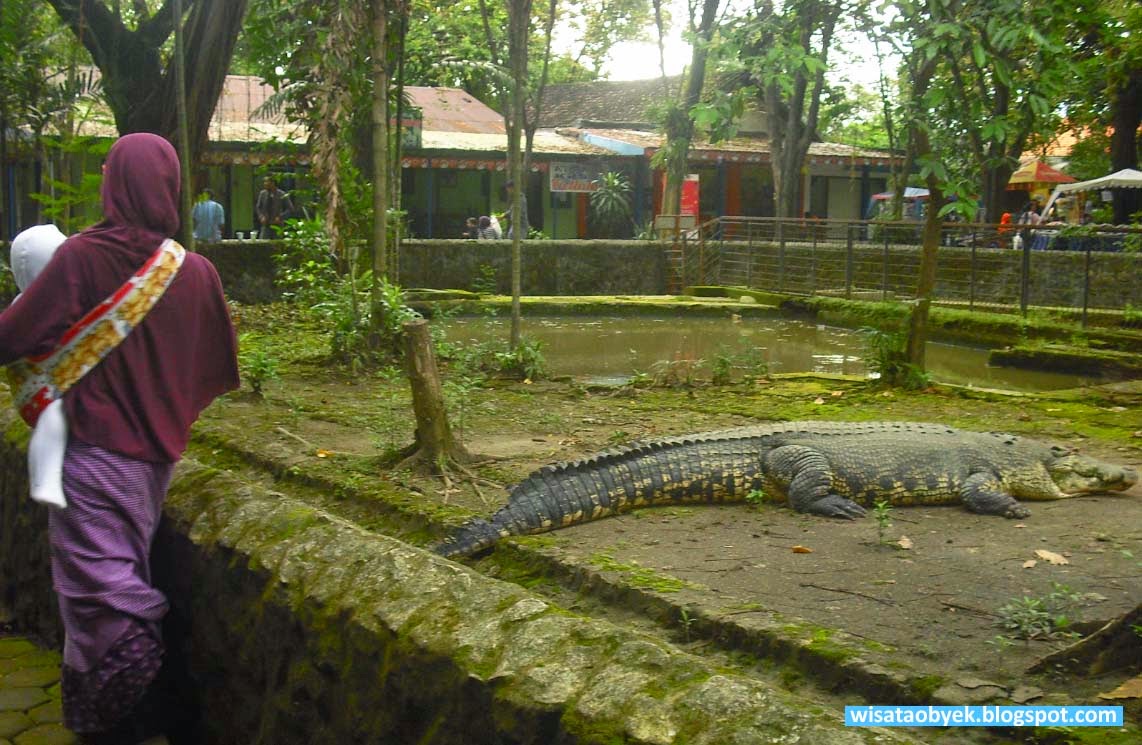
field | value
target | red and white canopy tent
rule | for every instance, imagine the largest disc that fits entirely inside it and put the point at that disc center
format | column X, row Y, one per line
column 1035, row 174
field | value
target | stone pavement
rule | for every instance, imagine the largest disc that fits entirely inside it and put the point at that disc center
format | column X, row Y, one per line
column 30, row 712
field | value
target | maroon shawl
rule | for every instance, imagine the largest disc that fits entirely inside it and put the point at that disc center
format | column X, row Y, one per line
column 141, row 400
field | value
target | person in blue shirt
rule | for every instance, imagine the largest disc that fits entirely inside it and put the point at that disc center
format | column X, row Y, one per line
column 208, row 217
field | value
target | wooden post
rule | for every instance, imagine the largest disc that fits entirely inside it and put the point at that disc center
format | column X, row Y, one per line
column 434, row 442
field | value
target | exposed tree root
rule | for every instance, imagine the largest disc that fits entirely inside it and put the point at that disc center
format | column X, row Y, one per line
column 447, row 467
column 1116, row 646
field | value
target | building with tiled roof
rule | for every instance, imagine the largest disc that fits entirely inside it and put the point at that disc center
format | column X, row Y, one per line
column 621, row 103
column 454, row 160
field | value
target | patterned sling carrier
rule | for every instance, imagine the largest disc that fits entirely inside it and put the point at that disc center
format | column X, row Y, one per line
column 38, row 381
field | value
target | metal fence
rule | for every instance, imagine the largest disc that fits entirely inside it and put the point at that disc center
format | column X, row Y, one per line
column 977, row 264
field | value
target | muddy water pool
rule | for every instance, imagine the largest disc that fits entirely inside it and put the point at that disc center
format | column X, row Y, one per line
column 612, row 349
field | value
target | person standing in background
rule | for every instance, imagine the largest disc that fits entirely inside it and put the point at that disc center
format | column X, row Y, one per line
column 509, row 214
column 130, row 413
column 208, row 217
column 273, row 207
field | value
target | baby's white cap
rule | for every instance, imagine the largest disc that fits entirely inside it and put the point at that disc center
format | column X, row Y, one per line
column 31, row 251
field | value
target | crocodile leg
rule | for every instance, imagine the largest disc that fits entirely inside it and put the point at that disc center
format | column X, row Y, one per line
column 983, row 493
column 807, row 479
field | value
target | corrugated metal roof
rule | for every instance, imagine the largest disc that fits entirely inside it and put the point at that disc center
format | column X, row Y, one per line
column 546, row 143
column 454, row 110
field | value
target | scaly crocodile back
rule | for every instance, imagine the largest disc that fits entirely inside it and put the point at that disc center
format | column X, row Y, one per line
column 719, row 466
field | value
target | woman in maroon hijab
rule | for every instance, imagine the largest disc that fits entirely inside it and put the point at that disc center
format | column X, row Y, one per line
column 130, row 420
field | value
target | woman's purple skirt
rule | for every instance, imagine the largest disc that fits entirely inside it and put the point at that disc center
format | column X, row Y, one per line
column 100, row 545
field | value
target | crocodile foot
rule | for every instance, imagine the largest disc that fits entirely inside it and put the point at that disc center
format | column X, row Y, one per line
column 834, row 505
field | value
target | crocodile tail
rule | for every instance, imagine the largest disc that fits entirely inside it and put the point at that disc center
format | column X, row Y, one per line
column 471, row 538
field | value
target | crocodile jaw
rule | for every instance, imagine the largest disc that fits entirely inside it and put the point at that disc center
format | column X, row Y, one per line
column 1077, row 474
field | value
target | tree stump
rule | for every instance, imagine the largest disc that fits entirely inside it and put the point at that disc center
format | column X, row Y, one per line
column 434, row 446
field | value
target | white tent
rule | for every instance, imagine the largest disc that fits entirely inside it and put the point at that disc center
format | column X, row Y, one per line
column 1127, row 178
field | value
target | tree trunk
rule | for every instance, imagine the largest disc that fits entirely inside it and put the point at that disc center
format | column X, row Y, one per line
column 680, row 127
column 434, row 446
column 518, row 33
column 381, row 171
column 139, row 88
column 920, row 142
column 1124, row 143
column 185, row 154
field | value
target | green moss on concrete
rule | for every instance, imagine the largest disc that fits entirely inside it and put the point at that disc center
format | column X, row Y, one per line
column 923, row 687
column 638, row 576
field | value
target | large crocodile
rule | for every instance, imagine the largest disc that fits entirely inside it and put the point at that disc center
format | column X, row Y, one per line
column 826, row 468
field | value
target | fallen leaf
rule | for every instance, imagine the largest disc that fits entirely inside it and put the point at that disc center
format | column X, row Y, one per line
column 1029, row 563
column 1023, row 694
column 802, row 550
column 323, row 453
column 1051, row 557
column 835, row 394
column 905, row 543
column 1130, row 689
column 527, row 381
column 819, row 401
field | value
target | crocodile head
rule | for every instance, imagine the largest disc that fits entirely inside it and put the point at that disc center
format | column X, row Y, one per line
column 1077, row 474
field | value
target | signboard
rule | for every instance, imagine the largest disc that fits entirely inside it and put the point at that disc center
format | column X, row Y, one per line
column 578, row 177
column 412, row 126
column 689, row 198
column 689, row 205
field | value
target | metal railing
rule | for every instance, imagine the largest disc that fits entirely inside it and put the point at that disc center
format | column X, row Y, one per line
column 977, row 264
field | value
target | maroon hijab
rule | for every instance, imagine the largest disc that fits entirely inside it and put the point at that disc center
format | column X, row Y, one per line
column 141, row 185
column 142, row 398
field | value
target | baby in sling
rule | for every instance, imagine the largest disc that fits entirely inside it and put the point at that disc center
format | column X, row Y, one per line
column 39, row 384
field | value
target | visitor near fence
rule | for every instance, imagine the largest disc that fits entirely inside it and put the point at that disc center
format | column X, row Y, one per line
column 140, row 342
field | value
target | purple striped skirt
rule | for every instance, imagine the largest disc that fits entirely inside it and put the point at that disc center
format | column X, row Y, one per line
column 100, row 547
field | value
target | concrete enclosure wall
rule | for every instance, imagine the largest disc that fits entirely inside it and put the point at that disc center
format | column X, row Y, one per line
column 301, row 628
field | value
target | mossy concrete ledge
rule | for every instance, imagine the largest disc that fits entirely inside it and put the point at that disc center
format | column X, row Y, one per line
column 303, row 628
column 306, row 628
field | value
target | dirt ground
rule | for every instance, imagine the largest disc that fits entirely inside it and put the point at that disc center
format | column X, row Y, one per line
column 862, row 614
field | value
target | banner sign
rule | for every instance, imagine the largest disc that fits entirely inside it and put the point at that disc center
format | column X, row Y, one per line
column 578, row 177
column 690, row 195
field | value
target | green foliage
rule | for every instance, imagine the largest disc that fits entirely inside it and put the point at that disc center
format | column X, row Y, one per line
column 306, row 269
column 611, row 214
column 525, row 362
column 882, row 513
column 749, row 360
column 485, row 280
column 457, row 396
column 757, row 497
column 722, row 367
column 1039, row 618
column 257, row 365
column 887, row 358
column 308, row 274
column 682, row 371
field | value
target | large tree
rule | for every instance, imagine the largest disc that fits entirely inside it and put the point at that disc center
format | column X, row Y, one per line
column 787, row 54
column 999, row 66
column 678, row 116
column 1106, row 98
column 129, row 46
